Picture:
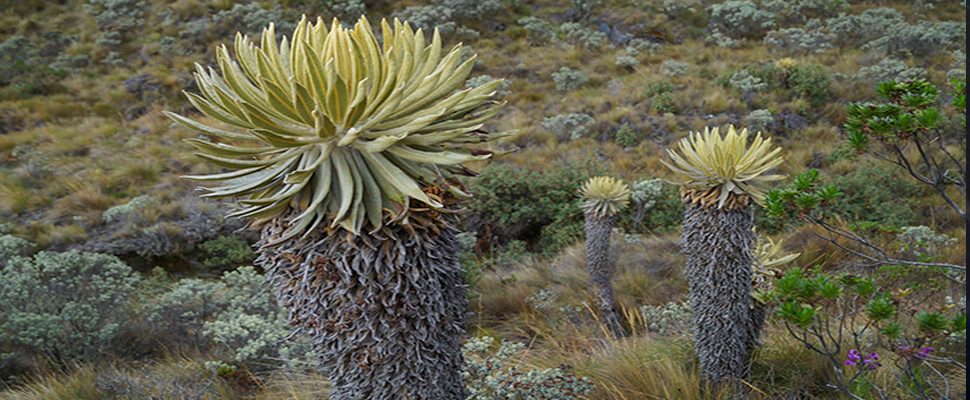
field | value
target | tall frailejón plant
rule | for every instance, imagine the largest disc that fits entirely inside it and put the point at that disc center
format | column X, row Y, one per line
column 345, row 150
column 603, row 198
column 720, row 176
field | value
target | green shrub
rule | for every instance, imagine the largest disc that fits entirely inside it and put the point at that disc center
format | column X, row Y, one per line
column 226, row 252
column 666, row 213
column 811, row 82
column 626, row 135
column 512, row 203
column 65, row 307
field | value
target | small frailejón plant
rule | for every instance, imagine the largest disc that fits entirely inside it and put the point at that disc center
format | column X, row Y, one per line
column 720, row 176
column 603, row 198
column 345, row 151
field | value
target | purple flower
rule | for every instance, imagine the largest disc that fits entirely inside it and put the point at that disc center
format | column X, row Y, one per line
column 925, row 352
column 869, row 362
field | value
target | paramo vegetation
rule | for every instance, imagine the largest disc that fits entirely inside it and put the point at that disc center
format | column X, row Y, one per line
column 569, row 199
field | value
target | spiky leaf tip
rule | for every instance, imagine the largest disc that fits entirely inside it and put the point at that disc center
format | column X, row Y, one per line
column 604, row 196
column 334, row 126
column 724, row 169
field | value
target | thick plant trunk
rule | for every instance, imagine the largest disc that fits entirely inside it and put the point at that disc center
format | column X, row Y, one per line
column 598, row 230
column 384, row 310
column 718, row 246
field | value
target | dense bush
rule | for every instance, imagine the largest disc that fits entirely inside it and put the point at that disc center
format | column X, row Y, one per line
column 673, row 68
column 890, row 69
column 491, row 375
column 798, row 11
column 740, row 19
column 811, row 82
column 541, row 32
column 583, row 36
column 568, row 79
column 798, row 41
column 118, row 19
column 568, row 127
column 36, row 67
column 65, row 307
column 512, row 203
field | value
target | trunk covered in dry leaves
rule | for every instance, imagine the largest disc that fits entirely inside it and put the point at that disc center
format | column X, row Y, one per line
column 598, row 231
column 718, row 244
column 384, row 309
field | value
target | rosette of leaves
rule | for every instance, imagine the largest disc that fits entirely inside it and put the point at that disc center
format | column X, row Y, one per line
column 336, row 128
column 724, row 169
column 603, row 198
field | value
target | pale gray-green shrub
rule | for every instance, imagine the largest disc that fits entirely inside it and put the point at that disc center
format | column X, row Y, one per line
column 758, row 120
column 747, row 84
column 252, row 327
column 670, row 319
column 798, row 41
column 117, row 19
column 429, row 18
column 645, row 194
column 923, row 241
column 568, row 127
column 12, row 246
column 346, row 10
column 66, row 307
column 798, row 11
column 541, row 32
column 643, row 46
column 131, row 212
column 674, row 8
column 921, row 39
column 448, row 16
column 252, row 18
column 673, row 68
column 627, row 62
column 719, row 39
column 889, row 68
column 568, row 79
column 491, row 374
column 859, row 29
column 236, row 314
column 583, row 36
column 740, row 19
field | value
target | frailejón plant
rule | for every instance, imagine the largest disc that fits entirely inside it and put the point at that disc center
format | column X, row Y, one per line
column 720, row 175
column 344, row 149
